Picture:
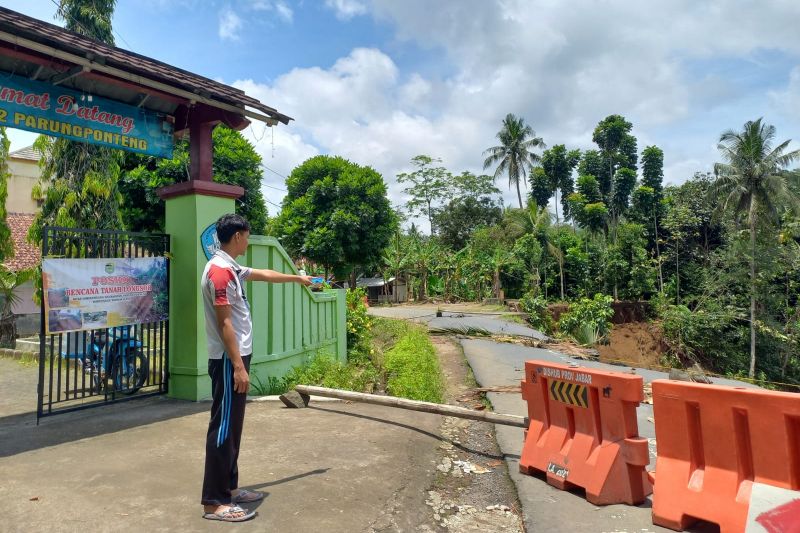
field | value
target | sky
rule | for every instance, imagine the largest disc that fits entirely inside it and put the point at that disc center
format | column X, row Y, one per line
column 381, row 81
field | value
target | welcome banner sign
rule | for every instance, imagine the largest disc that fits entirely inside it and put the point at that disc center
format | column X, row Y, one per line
column 84, row 294
column 61, row 112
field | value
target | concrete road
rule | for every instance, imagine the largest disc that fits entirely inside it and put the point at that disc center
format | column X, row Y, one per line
column 544, row 507
column 138, row 466
column 457, row 319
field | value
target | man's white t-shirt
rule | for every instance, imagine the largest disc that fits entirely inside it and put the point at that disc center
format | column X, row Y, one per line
column 222, row 283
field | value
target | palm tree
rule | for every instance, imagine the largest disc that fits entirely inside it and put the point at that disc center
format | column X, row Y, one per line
column 514, row 154
column 750, row 180
column 10, row 282
column 540, row 218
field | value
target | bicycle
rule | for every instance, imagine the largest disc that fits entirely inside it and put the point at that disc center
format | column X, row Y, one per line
column 128, row 367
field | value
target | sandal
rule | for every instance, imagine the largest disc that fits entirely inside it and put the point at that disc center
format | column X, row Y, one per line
column 247, row 496
column 228, row 515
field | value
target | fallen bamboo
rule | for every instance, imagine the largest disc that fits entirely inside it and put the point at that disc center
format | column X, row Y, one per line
column 304, row 393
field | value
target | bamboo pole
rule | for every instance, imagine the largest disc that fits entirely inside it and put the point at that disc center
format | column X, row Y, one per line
column 413, row 405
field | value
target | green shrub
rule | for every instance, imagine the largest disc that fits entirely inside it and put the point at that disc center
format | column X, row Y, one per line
column 538, row 314
column 359, row 326
column 325, row 371
column 585, row 316
column 412, row 367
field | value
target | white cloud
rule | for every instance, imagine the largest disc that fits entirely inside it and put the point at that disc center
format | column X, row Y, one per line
column 346, row 9
column 278, row 6
column 229, row 25
column 284, row 11
column 788, row 100
column 563, row 70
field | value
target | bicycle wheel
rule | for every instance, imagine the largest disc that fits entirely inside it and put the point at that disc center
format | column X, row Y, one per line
column 130, row 371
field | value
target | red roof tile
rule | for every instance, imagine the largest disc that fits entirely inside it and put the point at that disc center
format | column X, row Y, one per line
column 26, row 255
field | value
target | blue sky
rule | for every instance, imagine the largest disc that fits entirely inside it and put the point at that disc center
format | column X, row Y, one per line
column 380, row 81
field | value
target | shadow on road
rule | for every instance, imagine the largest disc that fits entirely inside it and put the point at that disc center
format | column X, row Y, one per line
column 412, row 428
column 19, row 432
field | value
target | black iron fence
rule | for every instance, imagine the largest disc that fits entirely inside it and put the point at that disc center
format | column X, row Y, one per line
column 82, row 369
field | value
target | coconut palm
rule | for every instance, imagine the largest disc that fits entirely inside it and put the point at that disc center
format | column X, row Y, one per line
column 751, row 182
column 514, row 154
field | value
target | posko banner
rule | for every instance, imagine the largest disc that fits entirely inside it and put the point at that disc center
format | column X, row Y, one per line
column 61, row 112
column 84, row 294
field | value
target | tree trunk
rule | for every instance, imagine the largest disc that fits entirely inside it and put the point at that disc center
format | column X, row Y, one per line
column 752, row 372
column 658, row 256
column 353, row 278
column 519, row 196
column 496, row 283
column 556, row 202
column 561, row 271
column 677, row 276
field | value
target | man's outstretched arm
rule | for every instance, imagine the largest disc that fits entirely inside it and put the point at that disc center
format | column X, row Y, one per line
column 271, row 276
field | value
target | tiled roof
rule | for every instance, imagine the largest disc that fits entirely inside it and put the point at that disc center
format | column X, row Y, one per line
column 25, row 153
column 68, row 41
column 26, row 255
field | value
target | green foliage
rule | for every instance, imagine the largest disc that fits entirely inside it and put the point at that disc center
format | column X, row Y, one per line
column 428, row 185
column 325, row 371
column 456, row 222
column 558, row 164
column 514, row 155
column 595, row 314
column 88, row 17
column 589, row 188
column 336, row 213
column 6, row 244
column 236, row 162
column 538, row 314
column 78, row 186
column 413, row 368
column 359, row 325
column 624, row 182
column 653, row 169
column 541, row 187
column 9, row 297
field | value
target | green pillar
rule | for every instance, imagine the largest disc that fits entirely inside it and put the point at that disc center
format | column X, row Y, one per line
column 190, row 208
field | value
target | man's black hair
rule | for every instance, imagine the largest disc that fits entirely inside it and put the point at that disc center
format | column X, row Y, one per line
column 228, row 225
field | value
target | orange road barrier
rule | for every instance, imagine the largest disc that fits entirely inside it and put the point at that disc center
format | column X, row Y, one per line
column 722, row 450
column 583, row 432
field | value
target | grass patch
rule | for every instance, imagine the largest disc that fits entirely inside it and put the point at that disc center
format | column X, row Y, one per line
column 401, row 361
column 413, row 368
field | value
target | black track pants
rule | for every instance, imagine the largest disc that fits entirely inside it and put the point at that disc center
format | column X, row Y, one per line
column 224, row 433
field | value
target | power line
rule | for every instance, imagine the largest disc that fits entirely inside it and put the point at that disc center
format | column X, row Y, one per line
column 274, row 172
column 273, row 187
column 60, row 10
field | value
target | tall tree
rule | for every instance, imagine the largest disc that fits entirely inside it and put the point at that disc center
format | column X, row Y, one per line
column 6, row 244
column 593, row 164
column 337, row 214
column 653, row 178
column 78, row 180
column 558, row 164
column 514, row 155
column 617, row 146
column 428, row 185
column 541, row 188
column 751, row 182
column 236, row 162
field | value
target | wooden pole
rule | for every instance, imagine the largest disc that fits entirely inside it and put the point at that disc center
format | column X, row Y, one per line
column 414, row 405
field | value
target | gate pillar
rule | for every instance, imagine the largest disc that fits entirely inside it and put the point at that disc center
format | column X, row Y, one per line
column 191, row 207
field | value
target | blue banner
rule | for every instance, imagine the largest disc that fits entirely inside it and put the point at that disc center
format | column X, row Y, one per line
column 61, row 112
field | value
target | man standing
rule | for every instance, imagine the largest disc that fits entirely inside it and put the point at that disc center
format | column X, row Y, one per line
column 229, row 333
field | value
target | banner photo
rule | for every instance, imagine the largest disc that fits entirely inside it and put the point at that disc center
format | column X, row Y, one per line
column 61, row 112
column 84, row 294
